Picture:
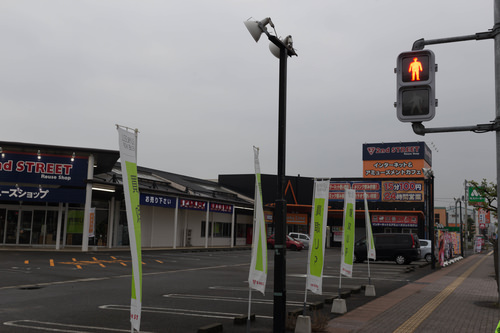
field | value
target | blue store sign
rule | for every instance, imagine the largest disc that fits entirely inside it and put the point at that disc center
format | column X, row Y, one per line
column 41, row 194
column 157, row 200
column 43, row 170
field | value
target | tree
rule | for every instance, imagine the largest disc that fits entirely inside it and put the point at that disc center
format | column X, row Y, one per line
column 488, row 190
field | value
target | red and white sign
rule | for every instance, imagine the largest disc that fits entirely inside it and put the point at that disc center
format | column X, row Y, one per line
column 394, row 220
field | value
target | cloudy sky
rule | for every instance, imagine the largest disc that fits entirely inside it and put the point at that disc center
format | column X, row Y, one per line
column 190, row 77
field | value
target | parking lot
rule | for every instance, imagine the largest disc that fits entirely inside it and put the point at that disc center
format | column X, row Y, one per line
column 182, row 291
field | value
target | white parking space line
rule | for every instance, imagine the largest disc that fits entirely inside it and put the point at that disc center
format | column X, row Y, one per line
column 182, row 312
column 59, row 327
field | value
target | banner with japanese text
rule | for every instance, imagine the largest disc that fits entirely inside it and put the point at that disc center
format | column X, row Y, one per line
column 128, row 158
column 316, row 255
column 370, row 244
column 349, row 226
column 258, row 267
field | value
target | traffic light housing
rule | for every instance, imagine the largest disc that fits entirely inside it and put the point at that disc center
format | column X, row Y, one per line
column 416, row 97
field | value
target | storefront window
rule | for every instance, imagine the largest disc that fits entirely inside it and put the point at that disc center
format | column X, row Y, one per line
column 74, row 231
column 2, row 225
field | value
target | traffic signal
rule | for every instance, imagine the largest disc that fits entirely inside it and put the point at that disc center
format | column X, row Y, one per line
column 416, row 99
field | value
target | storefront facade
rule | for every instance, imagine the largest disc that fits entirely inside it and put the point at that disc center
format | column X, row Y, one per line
column 49, row 193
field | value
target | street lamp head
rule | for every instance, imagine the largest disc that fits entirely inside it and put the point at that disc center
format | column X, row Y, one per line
column 275, row 50
column 256, row 28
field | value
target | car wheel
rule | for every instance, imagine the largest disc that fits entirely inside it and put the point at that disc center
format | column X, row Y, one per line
column 428, row 257
column 400, row 259
column 293, row 248
column 270, row 246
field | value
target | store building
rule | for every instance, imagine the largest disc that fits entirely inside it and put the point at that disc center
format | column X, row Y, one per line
column 48, row 193
column 393, row 180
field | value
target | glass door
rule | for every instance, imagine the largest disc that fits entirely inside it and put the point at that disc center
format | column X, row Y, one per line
column 26, row 226
column 11, row 226
column 2, row 225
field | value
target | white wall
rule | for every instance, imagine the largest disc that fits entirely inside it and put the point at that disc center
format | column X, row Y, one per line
column 157, row 227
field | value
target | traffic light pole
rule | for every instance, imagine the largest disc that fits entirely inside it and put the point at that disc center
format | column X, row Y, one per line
column 420, row 129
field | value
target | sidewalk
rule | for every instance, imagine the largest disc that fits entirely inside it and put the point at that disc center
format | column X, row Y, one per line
column 461, row 297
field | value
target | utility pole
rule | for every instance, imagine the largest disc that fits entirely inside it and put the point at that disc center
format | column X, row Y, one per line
column 496, row 9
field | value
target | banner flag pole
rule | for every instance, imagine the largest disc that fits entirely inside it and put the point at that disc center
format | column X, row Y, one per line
column 370, row 247
column 128, row 158
column 347, row 253
column 257, row 275
column 317, row 232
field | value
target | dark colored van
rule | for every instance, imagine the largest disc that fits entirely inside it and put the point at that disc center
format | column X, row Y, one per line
column 401, row 248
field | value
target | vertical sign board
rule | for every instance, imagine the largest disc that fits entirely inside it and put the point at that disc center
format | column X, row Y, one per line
column 316, row 253
column 258, row 267
column 128, row 157
column 349, row 226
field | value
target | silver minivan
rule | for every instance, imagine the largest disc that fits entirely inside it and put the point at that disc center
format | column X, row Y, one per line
column 303, row 238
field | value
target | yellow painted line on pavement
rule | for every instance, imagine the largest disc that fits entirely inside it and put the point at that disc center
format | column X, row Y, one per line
column 418, row 318
column 159, row 261
column 51, row 262
column 26, row 262
column 100, row 263
column 123, row 264
column 77, row 266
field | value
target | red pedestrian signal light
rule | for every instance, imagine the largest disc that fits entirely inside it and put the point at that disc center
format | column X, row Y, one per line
column 415, row 86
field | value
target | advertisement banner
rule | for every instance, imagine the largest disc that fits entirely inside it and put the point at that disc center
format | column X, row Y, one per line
column 128, row 158
column 381, row 191
column 403, row 221
column 349, row 226
column 319, row 215
column 92, row 223
column 258, row 267
column 370, row 244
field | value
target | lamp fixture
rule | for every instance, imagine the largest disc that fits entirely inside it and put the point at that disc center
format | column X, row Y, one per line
column 38, row 154
column 275, row 50
column 73, row 157
column 1, row 152
column 257, row 28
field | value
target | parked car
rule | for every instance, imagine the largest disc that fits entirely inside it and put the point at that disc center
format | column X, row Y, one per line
column 402, row 248
column 425, row 250
column 303, row 238
column 291, row 243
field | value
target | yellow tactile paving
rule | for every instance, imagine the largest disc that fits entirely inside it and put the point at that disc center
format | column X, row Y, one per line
column 414, row 321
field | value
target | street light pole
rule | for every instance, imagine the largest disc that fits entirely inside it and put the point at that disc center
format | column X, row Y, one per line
column 285, row 49
column 281, row 209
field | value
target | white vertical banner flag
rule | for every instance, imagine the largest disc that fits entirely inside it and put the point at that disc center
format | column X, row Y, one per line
column 128, row 157
column 316, row 254
column 349, row 229
column 370, row 244
column 258, row 267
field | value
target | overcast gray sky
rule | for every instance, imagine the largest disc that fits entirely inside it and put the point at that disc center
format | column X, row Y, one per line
column 190, row 77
